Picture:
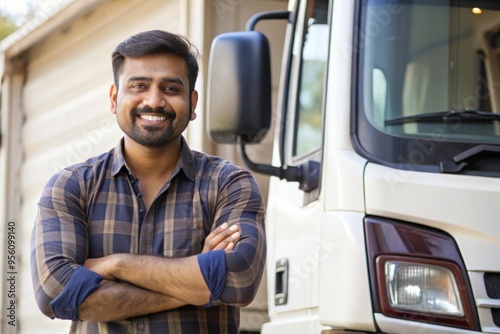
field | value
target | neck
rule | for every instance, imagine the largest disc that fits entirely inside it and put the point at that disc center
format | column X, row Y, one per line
column 151, row 162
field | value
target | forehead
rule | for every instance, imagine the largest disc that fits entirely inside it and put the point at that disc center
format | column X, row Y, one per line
column 155, row 66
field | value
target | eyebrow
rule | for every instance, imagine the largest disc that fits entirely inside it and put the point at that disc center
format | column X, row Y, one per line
column 163, row 80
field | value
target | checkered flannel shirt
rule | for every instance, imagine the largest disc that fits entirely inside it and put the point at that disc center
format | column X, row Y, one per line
column 94, row 209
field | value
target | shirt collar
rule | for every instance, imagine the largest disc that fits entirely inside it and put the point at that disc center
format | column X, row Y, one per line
column 186, row 160
column 118, row 159
column 185, row 163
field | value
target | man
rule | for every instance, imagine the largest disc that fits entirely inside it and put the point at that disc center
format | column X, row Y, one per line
column 150, row 237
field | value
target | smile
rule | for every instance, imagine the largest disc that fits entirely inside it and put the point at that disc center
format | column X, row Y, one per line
column 152, row 118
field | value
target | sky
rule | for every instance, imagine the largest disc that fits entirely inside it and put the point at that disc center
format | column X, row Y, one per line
column 15, row 7
column 20, row 8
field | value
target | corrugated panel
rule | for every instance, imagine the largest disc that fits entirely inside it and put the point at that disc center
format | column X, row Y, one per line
column 66, row 105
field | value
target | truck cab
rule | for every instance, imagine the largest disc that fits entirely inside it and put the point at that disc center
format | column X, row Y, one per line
column 384, row 196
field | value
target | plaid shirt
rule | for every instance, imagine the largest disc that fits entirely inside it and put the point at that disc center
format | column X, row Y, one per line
column 94, row 209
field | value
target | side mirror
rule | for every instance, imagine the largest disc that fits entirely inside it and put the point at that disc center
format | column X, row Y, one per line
column 239, row 97
column 239, row 88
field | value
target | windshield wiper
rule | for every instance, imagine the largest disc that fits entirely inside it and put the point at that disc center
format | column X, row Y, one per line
column 447, row 116
column 459, row 161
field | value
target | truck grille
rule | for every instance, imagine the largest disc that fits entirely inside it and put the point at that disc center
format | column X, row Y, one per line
column 492, row 285
column 486, row 289
column 495, row 313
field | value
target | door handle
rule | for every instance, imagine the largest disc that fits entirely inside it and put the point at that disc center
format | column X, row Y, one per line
column 281, row 283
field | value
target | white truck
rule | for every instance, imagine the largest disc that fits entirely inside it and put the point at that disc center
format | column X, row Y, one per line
column 383, row 211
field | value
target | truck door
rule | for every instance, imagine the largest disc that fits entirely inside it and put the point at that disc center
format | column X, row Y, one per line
column 294, row 215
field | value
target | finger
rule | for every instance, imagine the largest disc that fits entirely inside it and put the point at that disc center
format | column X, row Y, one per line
column 217, row 238
column 217, row 231
column 222, row 227
column 221, row 233
column 230, row 246
column 226, row 237
column 226, row 242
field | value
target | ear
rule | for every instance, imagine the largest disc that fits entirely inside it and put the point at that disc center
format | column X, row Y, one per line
column 194, row 102
column 113, row 95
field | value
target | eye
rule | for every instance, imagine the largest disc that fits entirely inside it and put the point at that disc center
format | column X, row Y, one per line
column 171, row 89
column 138, row 86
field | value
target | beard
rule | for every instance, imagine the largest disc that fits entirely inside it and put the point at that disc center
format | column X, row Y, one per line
column 152, row 136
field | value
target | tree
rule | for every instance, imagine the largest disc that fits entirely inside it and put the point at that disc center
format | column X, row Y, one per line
column 7, row 26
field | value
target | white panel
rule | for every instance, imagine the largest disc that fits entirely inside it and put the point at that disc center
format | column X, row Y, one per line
column 464, row 206
column 344, row 300
column 293, row 233
column 343, row 181
column 295, row 324
column 393, row 325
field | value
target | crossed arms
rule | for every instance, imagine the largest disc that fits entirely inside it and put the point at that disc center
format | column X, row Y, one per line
column 141, row 288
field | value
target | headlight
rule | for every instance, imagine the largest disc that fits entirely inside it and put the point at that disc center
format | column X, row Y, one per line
column 422, row 288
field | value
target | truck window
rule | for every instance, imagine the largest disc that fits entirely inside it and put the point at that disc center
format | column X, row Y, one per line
column 429, row 71
column 311, row 86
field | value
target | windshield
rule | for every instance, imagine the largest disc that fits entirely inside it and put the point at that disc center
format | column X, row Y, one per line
column 427, row 56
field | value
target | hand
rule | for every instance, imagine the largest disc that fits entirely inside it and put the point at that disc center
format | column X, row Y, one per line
column 102, row 266
column 223, row 237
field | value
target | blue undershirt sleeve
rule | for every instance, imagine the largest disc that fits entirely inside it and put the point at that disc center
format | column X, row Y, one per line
column 213, row 268
column 81, row 284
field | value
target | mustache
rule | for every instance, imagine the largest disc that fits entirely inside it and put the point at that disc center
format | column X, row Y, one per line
column 158, row 111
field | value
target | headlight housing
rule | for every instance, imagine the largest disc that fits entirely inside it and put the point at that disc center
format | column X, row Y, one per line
column 417, row 274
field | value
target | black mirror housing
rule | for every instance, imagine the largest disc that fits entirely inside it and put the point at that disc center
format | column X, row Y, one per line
column 239, row 88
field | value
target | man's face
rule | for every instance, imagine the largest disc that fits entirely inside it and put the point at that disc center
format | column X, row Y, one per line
column 153, row 104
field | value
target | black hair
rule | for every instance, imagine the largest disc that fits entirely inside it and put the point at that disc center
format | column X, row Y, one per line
column 156, row 42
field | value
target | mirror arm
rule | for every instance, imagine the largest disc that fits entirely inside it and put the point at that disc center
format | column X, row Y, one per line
column 290, row 174
column 306, row 174
column 276, row 15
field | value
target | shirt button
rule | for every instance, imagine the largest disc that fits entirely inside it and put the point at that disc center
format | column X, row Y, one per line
column 141, row 210
column 141, row 326
column 139, row 195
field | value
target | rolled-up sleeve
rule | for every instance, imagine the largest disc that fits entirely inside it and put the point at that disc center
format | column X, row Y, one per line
column 59, row 245
column 240, row 202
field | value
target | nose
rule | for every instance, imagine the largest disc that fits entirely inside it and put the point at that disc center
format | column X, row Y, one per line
column 155, row 98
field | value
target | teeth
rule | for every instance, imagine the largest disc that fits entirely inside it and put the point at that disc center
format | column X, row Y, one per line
column 152, row 117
